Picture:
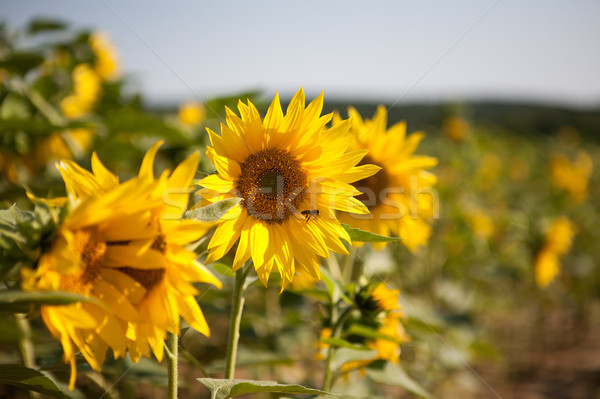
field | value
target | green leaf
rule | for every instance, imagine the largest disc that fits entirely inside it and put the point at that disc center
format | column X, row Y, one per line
column 334, row 288
column 342, row 343
column 345, row 355
column 21, row 63
column 212, row 212
column 223, row 269
column 19, row 301
column 14, row 106
column 223, row 389
column 394, row 374
column 29, row 379
column 367, row 332
column 366, row 236
column 45, row 24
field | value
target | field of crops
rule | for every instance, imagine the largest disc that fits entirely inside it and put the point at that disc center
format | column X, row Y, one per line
column 330, row 245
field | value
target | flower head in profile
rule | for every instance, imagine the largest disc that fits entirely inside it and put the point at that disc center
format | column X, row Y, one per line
column 291, row 173
column 559, row 239
column 115, row 248
column 397, row 196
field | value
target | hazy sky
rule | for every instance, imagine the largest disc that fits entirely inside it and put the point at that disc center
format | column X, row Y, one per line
column 544, row 50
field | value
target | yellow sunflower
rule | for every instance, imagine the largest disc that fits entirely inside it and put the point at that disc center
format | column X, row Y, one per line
column 291, row 173
column 93, row 233
column 86, row 91
column 559, row 239
column 400, row 196
column 106, row 63
column 124, row 246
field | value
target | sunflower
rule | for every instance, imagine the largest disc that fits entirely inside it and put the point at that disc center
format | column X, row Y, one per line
column 86, row 91
column 123, row 246
column 291, row 173
column 559, row 239
column 399, row 196
column 79, row 261
column 106, row 62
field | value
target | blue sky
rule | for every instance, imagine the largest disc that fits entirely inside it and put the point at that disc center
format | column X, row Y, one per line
column 542, row 50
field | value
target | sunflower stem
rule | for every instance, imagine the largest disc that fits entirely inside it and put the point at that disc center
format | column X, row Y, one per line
column 25, row 346
column 236, row 317
column 172, row 352
column 335, row 333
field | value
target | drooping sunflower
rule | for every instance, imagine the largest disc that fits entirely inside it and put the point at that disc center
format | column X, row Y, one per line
column 291, row 173
column 399, row 196
column 123, row 245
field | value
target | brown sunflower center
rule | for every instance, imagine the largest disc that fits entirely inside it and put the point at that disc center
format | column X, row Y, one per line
column 91, row 249
column 372, row 186
column 148, row 278
column 272, row 185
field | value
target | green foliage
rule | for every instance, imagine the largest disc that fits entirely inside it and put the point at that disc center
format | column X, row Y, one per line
column 213, row 212
column 366, row 236
column 224, row 389
column 394, row 374
column 33, row 380
column 23, row 234
column 20, row 302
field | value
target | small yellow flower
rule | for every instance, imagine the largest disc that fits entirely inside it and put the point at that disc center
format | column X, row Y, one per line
column 192, row 114
column 572, row 177
column 106, row 63
column 456, row 128
column 86, row 90
column 399, row 196
column 385, row 298
column 559, row 239
column 281, row 167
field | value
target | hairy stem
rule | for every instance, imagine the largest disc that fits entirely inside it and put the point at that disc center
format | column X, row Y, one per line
column 172, row 352
column 236, row 318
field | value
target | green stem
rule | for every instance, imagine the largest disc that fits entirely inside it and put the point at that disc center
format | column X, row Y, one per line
column 172, row 352
column 236, row 318
column 25, row 346
column 335, row 333
column 40, row 102
column 193, row 360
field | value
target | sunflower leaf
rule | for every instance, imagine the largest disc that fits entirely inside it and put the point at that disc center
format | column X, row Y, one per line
column 394, row 374
column 366, row 236
column 212, row 212
column 19, row 301
column 225, row 388
column 31, row 380
column 342, row 343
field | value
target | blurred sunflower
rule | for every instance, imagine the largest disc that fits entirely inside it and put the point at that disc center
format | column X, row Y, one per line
column 115, row 248
column 92, row 237
column 396, row 195
column 106, row 63
column 573, row 177
column 559, row 239
column 291, row 173
column 168, row 282
column 86, row 90
column 192, row 114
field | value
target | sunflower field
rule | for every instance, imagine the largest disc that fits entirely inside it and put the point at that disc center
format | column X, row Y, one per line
column 257, row 246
